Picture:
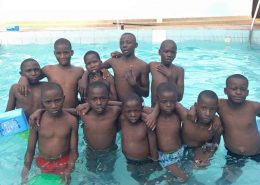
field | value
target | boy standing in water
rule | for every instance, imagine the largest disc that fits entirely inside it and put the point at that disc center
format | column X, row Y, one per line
column 63, row 73
column 100, row 128
column 202, row 135
column 165, row 71
column 93, row 66
column 30, row 69
column 168, row 130
column 138, row 141
column 241, row 136
column 57, row 137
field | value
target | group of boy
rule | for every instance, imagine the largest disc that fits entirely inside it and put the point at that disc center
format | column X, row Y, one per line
column 164, row 132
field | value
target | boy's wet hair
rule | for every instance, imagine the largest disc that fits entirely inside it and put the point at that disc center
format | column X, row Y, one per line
column 91, row 53
column 239, row 76
column 98, row 84
column 27, row 60
column 168, row 41
column 62, row 41
column 208, row 93
column 128, row 33
column 133, row 96
column 166, row 87
column 48, row 86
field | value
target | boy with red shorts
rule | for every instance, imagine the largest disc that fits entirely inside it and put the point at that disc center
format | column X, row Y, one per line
column 57, row 137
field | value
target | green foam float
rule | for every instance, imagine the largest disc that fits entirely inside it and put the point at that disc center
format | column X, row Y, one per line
column 46, row 179
column 23, row 135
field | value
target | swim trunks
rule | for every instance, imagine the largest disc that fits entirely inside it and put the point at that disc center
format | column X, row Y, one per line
column 101, row 160
column 240, row 160
column 167, row 159
column 56, row 166
column 138, row 162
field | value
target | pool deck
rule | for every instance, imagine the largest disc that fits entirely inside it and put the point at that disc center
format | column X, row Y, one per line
column 231, row 22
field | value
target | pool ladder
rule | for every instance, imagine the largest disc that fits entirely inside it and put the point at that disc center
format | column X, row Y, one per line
column 253, row 22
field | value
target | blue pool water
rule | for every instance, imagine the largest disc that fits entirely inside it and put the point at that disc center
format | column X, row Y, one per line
column 207, row 64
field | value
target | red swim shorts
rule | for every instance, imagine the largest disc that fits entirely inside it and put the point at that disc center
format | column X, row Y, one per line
column 57, row 166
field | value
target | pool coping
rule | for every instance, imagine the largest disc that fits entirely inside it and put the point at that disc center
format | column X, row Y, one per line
column 226, row 22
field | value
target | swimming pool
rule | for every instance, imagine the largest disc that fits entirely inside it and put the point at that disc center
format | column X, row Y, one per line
column 207, row 63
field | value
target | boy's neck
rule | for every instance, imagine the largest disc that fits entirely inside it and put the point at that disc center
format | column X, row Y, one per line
column 200, row 123
column 235, row 105
column 65, row 66
column 56, row 115
column 34, row 83
column 167, row 115
column 99, row 113
column 166, row 65
column 129, row 57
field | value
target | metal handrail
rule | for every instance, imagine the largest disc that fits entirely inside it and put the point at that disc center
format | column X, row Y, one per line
column 253, row 21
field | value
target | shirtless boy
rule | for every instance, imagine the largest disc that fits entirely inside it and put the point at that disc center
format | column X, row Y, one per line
column 31, row 70
column 93, row 66
column 138, row 141
column 241, row 136
column 203, row 135
column 165, row 71
column 100, row 126
column 57, row 137
column 130, row 72
column 168, row 130
column 63, row 73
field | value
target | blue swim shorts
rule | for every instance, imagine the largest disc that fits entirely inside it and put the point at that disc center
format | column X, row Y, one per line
column 167, row 159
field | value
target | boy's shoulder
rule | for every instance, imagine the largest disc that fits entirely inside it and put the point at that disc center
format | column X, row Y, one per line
column 177, row 68
column 14, row 87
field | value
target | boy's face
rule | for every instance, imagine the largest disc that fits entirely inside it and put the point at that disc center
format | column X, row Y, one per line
column 206, row 109
column 132, row 110
column 98, row 98
column 92, row 63
column 63, row 54
column 168, row 54
column 237, row 90
column 167, row 101
column 32, row 71
column 127, row 45
column 52, row 101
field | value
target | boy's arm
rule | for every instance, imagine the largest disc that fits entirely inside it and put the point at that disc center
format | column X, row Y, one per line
column 209, row 148
column 150, row 115
column 152, row 144
column 106, row 64
column 73, row 153
column 28, row 158
column 82, row 86
column 11, row 100
column 72, row 111
column 182, row 111
column 257, row 105
column 113, row 93
column 180, row 84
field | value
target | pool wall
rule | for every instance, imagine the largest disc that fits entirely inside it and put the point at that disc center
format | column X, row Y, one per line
column 101, row 36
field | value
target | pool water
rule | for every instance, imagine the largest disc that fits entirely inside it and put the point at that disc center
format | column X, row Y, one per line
column 207, row 64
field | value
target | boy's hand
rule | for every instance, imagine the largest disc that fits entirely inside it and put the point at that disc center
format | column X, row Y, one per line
column 150, row 120
column 164, row 70
column 23, row 85
column 116, row 54
column 130, row 77
column 25, row 172
column 82, row 88
column 82, row 109
column 192, row 113
column 200, row 163
column 35, row 117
